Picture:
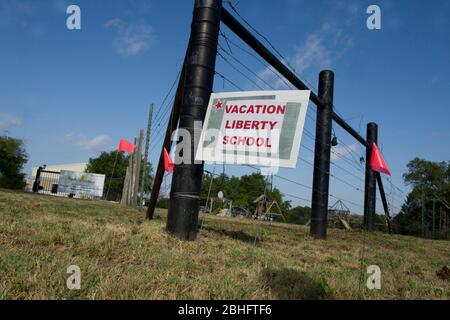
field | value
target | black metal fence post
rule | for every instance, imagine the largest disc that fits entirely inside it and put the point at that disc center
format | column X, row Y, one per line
column 370, row 181
column 37, row 180
column 182, row 217
column 385, row 203
column 321, row 179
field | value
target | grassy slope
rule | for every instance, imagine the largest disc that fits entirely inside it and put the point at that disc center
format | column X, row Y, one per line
column 123, row 256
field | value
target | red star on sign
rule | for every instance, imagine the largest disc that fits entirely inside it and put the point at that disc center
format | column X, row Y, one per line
column 218, row 105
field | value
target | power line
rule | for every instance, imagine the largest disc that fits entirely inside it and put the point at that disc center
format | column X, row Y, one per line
column 295, row 197
column 247, row 68
column 160, row 129
column 312, row 118
column 257, row 58
column 348, row 149
column 286, row 61
column 310, row 188
column 168, row 93
column 228, row 80
column 333, row 151
column 292, row 181
column 350, row 162
column 166, row 110
column 239, row 71
column 332, row 175
column 347, row 171
column 162, row 116
column 259, row 33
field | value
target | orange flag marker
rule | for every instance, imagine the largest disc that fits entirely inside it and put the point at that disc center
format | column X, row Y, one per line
column 126, row 146
column 377, row 162
column 168, row 163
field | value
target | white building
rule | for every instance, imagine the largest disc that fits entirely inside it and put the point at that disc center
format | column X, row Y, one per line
column 76, row 167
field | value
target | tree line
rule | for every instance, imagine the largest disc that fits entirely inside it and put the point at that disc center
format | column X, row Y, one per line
column 425, row 212
column 114, row 166
column 12, row 159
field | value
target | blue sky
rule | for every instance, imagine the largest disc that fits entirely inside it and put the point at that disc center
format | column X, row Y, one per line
column 71, row 94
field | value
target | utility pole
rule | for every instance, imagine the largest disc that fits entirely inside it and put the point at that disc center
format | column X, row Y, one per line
column 147, row 146
column 126, row 184
column 434, row 219
column 182, row 218
column 167, row 142
column 447, row 224
column 370, row 191
column 270, row 177
column 447, row 219
column 322, row 155
column 384, row 201
column 423, row 212
column 209, row 190
column 132, row 176
column 137, row 169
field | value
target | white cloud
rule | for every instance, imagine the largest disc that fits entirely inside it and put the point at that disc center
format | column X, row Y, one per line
column 131, row 38
column 9, row 120
column 92, row 144
column 317, row 52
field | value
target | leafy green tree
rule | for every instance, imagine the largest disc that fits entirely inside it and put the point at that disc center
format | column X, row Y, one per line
column 275, row 194
column 242, row 190
column 431, row 178
column 12, row 159
column 104, row 164
column 409, row 219
column 299, row 215
column 430, row 182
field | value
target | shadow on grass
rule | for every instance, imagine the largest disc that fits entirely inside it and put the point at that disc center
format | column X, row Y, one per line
column 237, row 235
column 290, row 284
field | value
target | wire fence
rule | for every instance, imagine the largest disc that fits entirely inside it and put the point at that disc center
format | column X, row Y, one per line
column 240, row 69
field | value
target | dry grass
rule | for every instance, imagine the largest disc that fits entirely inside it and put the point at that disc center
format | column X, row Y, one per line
column 122, row 256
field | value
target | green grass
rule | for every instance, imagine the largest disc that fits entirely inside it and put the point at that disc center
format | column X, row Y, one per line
column 122, row 256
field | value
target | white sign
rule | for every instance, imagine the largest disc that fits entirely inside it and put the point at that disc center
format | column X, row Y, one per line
column 81, row 184
column 259, row 127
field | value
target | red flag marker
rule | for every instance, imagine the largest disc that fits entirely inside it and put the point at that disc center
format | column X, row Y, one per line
column 168, row 163
column 377, row 162
column 126, row 146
